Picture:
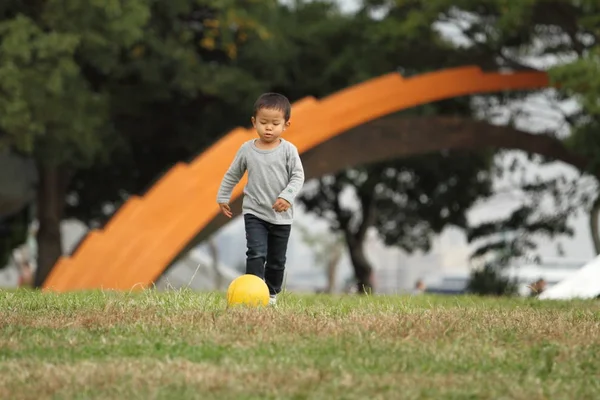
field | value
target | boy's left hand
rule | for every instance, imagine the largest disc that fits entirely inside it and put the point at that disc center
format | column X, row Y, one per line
column 281, row 205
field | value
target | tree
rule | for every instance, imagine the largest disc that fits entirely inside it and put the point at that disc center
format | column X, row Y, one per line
column 511, row 236
column 328, row 250
column 506, row 240
column 321, row 51
column 489, row 280
column 560, row 36
column 408, row 39
column 169, row 83
column 501, row 241
column 406, row 201
column 211, row 95
column 581, row 80
column 214, row 255
column 13, row 232
column 49, row 110
column 76, row 78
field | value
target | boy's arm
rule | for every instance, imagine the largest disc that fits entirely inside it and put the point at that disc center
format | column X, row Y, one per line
column 296, row 180
column 232, row 177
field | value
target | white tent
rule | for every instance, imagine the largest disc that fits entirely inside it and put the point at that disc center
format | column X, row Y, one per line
column 584, row 284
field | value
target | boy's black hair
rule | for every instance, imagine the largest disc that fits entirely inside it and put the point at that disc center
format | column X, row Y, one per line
column 274, row 101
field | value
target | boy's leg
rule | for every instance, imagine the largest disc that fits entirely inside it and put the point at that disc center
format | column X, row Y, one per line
column 276, row 256
column 256, row 243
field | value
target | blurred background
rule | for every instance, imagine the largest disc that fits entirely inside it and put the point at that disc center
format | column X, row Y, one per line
column 97, row 101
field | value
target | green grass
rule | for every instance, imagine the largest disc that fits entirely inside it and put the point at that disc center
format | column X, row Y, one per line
column 185, row 345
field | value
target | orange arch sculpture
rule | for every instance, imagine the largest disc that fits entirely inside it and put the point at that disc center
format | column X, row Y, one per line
column 148, row 232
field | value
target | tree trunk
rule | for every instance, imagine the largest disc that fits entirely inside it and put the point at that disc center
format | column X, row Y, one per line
column 355, row 239
column 594, row 216
column 214, row 252
column 332, row 263
column 53, row 183
column 362, row 268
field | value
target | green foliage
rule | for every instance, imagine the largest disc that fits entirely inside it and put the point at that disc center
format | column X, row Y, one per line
column 45, row 104
column 104, row 28
column 496, row 35
column 214, row 96
column 503, row 28
column 435, row 191
column 585, row 140
column 489, row 280
column 509, row 34
column 309, row 48
column 412, row 199
column 83, row 83
column 515, row 231
column 544, row 212
column 580, row 79
column 13, row 233
column 118, row 91
column 74, row 74
column 48, row 102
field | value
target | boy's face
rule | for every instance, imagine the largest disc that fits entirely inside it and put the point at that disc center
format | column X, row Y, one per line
column 269, row 124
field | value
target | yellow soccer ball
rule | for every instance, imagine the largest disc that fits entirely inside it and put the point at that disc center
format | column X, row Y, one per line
column 248, row 290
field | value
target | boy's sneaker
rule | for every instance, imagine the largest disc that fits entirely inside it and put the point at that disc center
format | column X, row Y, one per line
column 272, row 300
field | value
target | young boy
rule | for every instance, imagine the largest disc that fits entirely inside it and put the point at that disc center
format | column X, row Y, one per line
column 275, row 177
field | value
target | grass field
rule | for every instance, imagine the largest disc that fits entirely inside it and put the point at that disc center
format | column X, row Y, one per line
column 185, row 345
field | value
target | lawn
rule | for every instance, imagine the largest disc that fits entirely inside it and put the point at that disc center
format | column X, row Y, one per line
column 186, row 345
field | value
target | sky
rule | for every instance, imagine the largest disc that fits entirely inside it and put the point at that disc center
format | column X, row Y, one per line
column 348, row 5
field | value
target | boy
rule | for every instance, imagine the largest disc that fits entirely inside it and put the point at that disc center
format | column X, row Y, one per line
column 275, row 177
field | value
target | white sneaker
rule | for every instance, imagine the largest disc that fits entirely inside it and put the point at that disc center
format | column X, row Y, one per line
column 272, row 300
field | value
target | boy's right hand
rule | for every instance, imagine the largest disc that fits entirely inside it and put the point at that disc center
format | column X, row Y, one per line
column 226, row 210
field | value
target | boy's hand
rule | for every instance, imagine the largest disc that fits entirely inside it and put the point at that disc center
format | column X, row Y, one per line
column 281, row 205
column 226, row 210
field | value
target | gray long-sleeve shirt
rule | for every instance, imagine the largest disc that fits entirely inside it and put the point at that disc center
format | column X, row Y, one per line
column 272, row 174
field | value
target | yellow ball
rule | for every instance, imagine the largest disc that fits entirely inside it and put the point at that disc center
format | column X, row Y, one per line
column 248, row 290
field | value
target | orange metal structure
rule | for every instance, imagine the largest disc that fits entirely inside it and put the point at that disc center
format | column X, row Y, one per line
column 148, row 232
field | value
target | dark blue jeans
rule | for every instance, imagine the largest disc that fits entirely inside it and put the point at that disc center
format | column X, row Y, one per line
column 267, row 247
